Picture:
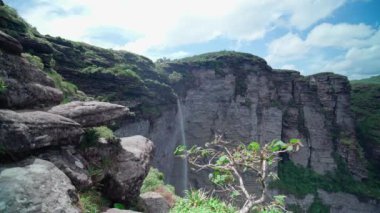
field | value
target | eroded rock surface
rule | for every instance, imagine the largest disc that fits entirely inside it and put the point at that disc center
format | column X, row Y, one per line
column 91, row 113
column 27, row 131
column 70, row 161
column 241, row 97
column 128, row 169
column 9, row 44
column 36, row 185
column 26, row 85
column 153, row 202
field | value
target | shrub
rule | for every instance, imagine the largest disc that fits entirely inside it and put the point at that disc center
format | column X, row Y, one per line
column 199, row 201
column 229, row 162
column 175, row 77
column 318, row 207
column 92, row 201
column 92, row 135
column 35, row 60
column 68, row 89
column 3, row 85
column 154, row 182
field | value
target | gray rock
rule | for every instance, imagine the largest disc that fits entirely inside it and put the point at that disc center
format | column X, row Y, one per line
column 347, row 203
column 277, row 104
column 35, row 185
column 153, row 202
column 92, row 113
column 8, row 43
column 68, row 160
column 27, row 131
column 26, row 85
column 128, row 170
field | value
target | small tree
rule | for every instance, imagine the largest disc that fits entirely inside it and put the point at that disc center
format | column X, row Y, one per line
column 228, row 163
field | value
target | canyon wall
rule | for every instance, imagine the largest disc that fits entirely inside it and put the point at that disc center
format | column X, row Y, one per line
column 240, row 96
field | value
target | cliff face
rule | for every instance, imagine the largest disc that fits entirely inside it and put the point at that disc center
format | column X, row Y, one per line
column 241, row 97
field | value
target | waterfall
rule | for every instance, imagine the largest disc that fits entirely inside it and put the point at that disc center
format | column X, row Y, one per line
column 183, row 142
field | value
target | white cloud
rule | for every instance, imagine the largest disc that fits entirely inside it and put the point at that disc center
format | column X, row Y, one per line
column 289, row 47
column 340, row 35
column 171, row 23
column 359, row 44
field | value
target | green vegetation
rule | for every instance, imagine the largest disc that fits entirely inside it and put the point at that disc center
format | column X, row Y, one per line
column 155, row 180
column 365, row 103
column 318, row 207
column 175, row 77
column 199, row 201
column 301, row 181
column 92, row 135
column 68, row 89
column 3, row 85
column 371, row 80
column 35, row 60
column 91, row 201
column 119, row 206
column 228, row 163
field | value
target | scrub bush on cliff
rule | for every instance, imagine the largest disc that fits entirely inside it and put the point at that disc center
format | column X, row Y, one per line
column 229, row 162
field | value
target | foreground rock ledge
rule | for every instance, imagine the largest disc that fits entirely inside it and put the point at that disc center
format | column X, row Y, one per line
column 91, row 113
column 36, row 185
column 26, row 131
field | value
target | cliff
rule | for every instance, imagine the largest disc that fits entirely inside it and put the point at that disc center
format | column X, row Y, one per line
column 235, row 94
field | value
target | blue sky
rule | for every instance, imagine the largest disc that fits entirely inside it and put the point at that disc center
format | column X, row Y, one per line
column 342, row 36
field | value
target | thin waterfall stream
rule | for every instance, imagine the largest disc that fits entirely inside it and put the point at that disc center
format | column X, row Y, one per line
column 183, row 142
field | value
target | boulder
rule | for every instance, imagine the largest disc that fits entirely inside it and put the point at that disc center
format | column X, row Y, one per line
column 36, row 185
column 68, row 160
column 26, row 131
column 128, row 170
column 91, row 113
column 153, row 202
column 10, row 44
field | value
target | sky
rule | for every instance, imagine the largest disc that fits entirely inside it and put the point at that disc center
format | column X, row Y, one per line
column 311, row 36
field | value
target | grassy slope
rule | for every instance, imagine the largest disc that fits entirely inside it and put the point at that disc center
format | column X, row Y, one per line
column 366, row 106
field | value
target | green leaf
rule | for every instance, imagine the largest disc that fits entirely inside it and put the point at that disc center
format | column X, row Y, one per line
column 253, row 146
column 294, row 141
column 180, row 150
column 223, row 160
column 235, row 194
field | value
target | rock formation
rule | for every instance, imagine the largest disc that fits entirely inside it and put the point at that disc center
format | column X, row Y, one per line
column 129, row 167
column 91, row 113
column 27, row 131
column 27, row 187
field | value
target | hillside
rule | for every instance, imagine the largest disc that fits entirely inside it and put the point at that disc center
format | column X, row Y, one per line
column 104, row 74
column 366, row 106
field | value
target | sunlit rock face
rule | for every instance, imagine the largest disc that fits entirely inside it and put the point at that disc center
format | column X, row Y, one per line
column 240, row 96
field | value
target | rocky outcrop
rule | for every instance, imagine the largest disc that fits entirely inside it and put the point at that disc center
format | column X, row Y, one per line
column 35, row 185
column 240, row 96
column 26, row 85
column 26, row 131
column 336, row 202
column 153, row 202
column 70, row 161
column 128, row 169
column 91, row 113
column 10, row 44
